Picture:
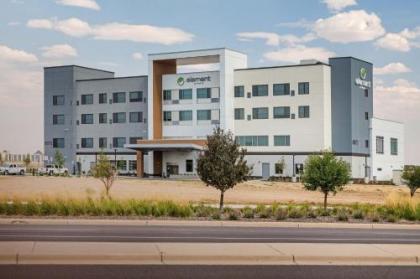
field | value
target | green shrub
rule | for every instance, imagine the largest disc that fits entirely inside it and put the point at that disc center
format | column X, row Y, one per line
column 391, row 218
column 216, row 215
column 342, row 215
column 358, row 214
column 312, row 213
column 247, row 212
column 233, row 215
column 281, row 213
column 296, row 213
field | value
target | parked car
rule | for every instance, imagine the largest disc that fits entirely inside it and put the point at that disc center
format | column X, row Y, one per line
column 53, row 170
column 12, row 169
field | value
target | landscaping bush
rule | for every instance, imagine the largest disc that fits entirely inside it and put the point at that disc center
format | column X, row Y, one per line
column 358, row 214
column 233, row 215
column 295, row 213
column 247, row 212
column 342, row 215
column 281, row 213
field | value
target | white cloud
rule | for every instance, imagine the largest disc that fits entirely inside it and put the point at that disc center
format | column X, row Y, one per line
column 352, row 26
column 394, row 41
column 40, row 23
column 13, row 23
column 88, row 4
column 59, row 51
column 400, row 41
column 297, row 53
column 274, row 39
column 115, row 31
column 392, row 68
column 338, row 5
column 137, row 56
column 15, row 55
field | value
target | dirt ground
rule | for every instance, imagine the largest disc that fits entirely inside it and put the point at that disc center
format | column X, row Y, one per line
column 250, row 192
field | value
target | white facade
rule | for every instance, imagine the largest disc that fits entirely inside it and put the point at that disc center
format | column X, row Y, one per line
column 387, row 148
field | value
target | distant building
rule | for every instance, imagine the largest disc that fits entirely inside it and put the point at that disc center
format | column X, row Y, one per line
column 37, row 158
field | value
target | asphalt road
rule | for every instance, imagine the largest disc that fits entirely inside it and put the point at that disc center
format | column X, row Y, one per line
column 124, row 233
column 206, row 271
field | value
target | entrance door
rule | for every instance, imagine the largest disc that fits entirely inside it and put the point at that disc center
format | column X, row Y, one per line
column 173, row 169
column 265, row 170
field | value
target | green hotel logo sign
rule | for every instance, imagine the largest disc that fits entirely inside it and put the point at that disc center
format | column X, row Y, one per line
column 363, row 73
column 180, row 81
column 196, row 80
column 361, row 80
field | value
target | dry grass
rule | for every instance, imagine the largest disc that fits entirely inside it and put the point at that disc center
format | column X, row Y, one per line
column 251, row 192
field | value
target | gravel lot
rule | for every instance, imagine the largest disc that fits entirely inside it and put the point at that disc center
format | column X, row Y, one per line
column 251, row 192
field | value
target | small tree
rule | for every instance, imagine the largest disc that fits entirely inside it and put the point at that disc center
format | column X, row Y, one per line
column 27, row 161
column 222, row 165
column 411, row 177
column 326, row 173
column 105, row 172
column 58, row 158
column 280, row 166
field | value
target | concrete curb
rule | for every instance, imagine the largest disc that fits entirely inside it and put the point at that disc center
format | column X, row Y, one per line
column 208, row 253
column 157, row 222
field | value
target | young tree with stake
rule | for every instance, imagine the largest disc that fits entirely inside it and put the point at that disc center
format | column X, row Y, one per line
column 222, row 165
column 105, row 172
column 411, row 177
column 326, row 173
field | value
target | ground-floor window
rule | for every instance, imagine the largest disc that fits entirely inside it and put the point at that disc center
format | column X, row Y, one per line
column 189, row 165
column 132, row 165
column 121, row 164
column 279, row 168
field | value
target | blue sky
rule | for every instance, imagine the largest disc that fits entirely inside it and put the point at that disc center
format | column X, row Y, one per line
column 118, row 35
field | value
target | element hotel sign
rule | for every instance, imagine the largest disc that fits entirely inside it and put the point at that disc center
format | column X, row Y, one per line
column 361, row 81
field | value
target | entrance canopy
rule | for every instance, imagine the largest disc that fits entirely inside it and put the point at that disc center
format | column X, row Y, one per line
column 168, row 145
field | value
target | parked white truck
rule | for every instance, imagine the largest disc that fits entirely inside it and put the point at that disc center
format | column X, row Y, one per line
column 53, row 170
column 12, row 169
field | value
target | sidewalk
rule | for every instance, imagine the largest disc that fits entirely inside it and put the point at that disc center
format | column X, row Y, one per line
column 180, row 222
column 208, row 253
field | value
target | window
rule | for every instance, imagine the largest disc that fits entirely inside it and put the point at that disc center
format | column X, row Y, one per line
column 303, row 111
column 136, row 116
column 394, row 146
column 367, row 115
column 118, row 142
column 58, row 100
column 203, row 114
column 281, row 89
column 278, row 168
column 252, row 140
column 58, row 119
column 167, row 116
column 281, row 140
column 87, row 143
column 239, row 114
column 133, row 140
column 87, row 99
column 136, row 96
column 203, row 93
column 367, row 143
column 167, row 95
column 366, row 93
column 87, row 118
column 58, row 143
column 121, row 165
column 303, row 88
column 185, row 115
column 281, row 112
column 102, row 142
column 185, row 94
column 260, row 113
column 103, row 118
column 132, row 165
column 189, row 165
column 260, row 90
column 239, row 91
column 380, row 145
column 118, row 97
column 102, row 98
column 118, row 117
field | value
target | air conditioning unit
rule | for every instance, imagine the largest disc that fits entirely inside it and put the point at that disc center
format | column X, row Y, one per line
column 292, row 93
column 110, row 101
column 248, row 117
column 292, row 116
column 248, row 95
column 110, row 121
